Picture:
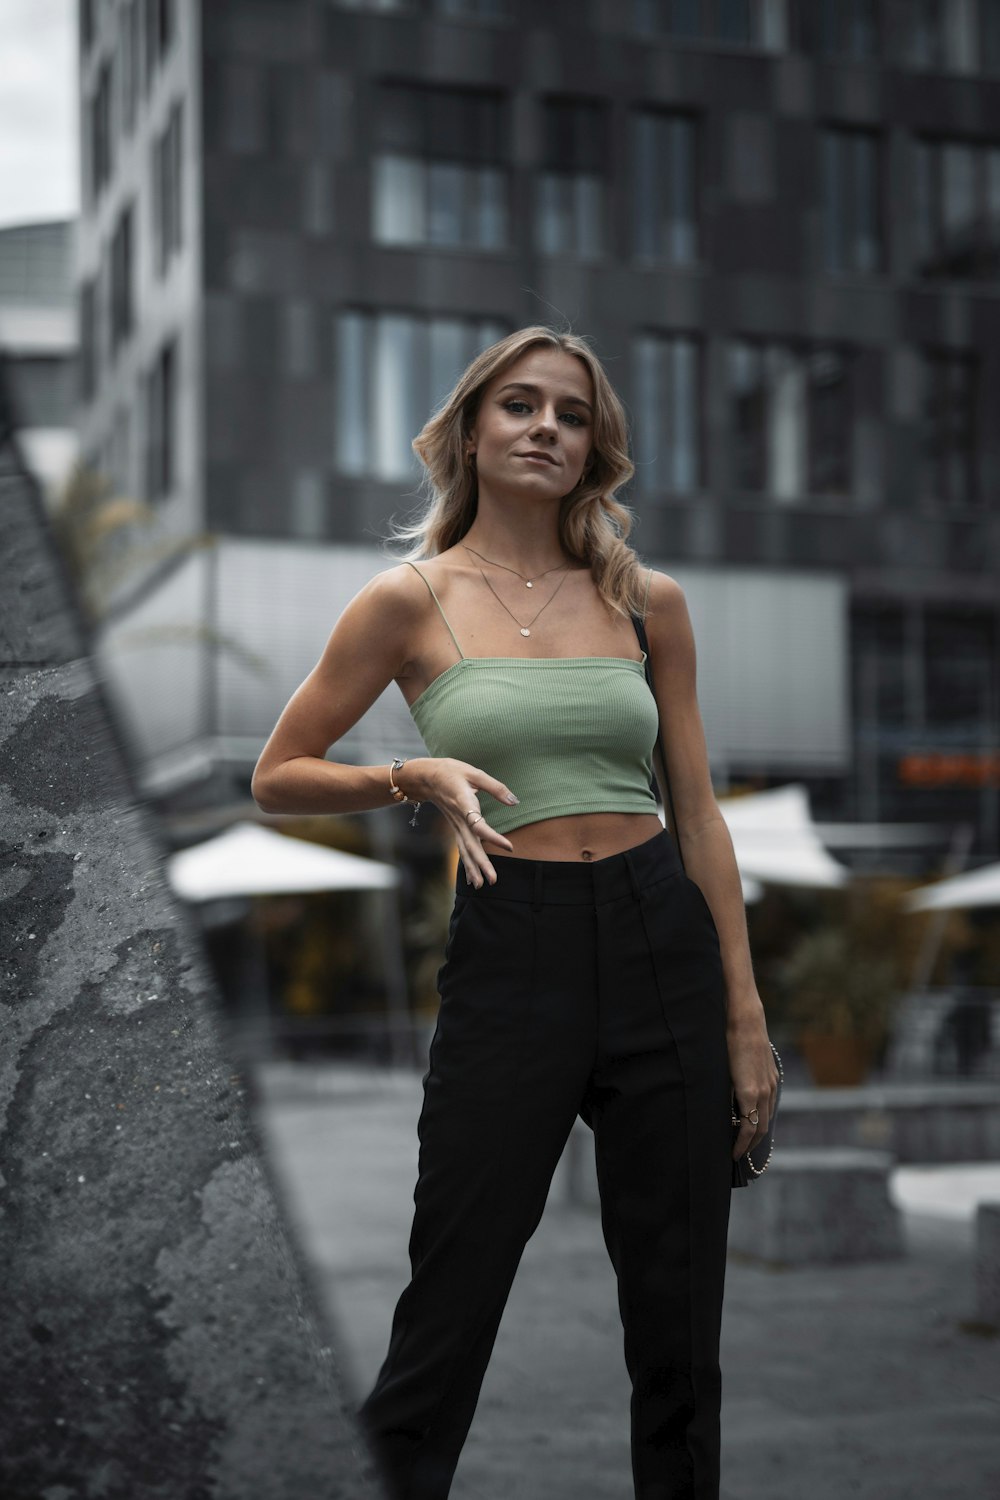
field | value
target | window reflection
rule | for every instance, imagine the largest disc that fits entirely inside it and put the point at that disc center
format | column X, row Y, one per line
column 391, row 368
column 668, row 414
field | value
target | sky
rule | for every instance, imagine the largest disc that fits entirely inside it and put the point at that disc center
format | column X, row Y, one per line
column 38, row 111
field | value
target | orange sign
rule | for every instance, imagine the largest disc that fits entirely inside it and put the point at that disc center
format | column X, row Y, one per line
column 941, row 768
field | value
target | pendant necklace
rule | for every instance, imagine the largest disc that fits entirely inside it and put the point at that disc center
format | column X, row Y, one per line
column 529, row 583
column 524, row 629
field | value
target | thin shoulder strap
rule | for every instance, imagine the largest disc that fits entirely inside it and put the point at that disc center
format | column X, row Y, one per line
column 437, row 601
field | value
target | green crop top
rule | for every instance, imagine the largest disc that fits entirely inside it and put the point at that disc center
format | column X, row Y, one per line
column 570, row 734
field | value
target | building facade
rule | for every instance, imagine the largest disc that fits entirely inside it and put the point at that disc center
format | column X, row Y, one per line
column 779, row 221
column 38, row 345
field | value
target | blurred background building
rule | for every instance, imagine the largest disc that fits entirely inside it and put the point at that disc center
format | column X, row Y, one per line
column 38, row 343
column 778, row 219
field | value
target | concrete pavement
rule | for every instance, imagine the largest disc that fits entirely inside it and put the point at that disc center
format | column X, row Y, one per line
column 866, row 1381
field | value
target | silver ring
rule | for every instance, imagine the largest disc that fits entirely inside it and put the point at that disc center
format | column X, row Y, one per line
column 753, row 1116
column 474, row 814
column 476, row 820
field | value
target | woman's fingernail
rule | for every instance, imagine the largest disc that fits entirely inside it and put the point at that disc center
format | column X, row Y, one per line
column 512, row 799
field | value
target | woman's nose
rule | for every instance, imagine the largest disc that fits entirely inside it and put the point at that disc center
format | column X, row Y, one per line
column 545, row 422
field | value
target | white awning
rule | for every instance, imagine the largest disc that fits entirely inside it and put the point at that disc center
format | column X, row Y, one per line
column 974, row 888
column 248, row 860
column 776, row 841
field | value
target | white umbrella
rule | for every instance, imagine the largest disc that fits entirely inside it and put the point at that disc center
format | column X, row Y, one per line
column 776, row 841
column 248, row 860
column 974, row 888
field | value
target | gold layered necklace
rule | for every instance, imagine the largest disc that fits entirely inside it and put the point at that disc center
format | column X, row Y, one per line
column 524, row 629
column 529, row 583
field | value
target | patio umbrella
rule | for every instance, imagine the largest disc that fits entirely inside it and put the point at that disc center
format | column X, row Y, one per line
column 776, row 841
column 248, row 860
column 973, row 888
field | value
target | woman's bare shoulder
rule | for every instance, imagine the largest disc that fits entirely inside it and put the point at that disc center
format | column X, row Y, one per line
column 665, row 595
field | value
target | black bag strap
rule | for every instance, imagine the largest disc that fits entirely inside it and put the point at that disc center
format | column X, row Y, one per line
column 640, row 630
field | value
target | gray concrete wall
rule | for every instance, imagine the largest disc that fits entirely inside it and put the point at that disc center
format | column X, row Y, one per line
column 158, row 1338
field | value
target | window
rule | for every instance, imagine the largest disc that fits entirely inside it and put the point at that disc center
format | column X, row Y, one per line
column 41, row 390
column 87, row 26
column 161, row 416
column 391, row 369
column 440, row 177
column 851, row 195
column 957, row 201
column 841, row 28
column 167, row 194
column 667, row 403
column 790, row 420
column 100, row 131
column 570, row 189
column 128, row 61
column 480, row 10
column 989, row 35
column 665, row 211
column 88, row 339
column 947, row 34
column 745, row 23
column 948, row 470
column 160, row 25
column 122, row 305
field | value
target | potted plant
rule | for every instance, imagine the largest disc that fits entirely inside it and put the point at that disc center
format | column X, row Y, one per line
column 840, row 996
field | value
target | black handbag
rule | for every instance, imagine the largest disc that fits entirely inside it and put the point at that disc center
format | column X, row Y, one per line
column 754, row 1163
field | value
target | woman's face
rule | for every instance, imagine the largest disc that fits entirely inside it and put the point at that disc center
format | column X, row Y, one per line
column 534, row 430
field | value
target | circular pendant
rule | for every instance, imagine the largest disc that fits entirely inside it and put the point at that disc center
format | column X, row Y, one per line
column 525, row 630
column 528, row 585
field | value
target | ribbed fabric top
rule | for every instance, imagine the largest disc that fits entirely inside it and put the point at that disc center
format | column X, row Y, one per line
column 566, row 734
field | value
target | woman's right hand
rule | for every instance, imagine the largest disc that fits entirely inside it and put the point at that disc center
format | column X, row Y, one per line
column 454, row 787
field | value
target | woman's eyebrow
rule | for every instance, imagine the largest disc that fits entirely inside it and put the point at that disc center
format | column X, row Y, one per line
column 523, row 385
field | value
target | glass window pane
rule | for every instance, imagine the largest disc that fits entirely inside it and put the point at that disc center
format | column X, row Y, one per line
column 833, row 201
column 923, row 200
column 588, row 198
column 646, row 205
column 398, row 208
column 866, row 241
column 395, row 395
column 449, row 354
column 683, row 433
column 648, row 420
column 747, row 411
column 958, row 191
column 550, row 214
column 445, row 203
column 351, row 375
column 683, row 19
column 682, row 222
column 785, row 424
column 734, row 20
column 490, row 184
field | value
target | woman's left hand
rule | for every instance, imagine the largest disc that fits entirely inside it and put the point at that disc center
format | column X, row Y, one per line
column 755, row 1078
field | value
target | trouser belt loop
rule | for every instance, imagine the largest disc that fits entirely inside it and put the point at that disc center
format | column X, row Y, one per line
column 633, row 877
column 536, row 904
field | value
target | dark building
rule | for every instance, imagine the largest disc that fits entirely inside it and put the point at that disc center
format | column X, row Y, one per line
column 778, row 219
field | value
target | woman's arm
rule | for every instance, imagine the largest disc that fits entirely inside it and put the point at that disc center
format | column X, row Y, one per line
column 369, row 647
column 708, row 849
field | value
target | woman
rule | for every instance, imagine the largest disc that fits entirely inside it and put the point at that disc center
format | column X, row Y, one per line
column 585, row 972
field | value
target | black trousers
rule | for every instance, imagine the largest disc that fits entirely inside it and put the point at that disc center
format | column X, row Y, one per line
column 570, row 988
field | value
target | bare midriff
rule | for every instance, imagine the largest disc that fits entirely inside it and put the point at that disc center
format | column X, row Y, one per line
column 584, row 837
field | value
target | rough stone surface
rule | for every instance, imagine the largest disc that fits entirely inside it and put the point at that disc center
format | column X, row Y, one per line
column 988, row 1263
column 158, row 1339
column 816, row 1207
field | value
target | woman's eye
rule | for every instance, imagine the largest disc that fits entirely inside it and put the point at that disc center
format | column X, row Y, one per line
column 510, row 405
column 574, row 417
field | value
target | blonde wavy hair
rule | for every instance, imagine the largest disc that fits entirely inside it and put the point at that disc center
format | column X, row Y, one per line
column 593, row 525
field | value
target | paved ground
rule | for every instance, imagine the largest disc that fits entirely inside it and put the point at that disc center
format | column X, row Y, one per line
column 862, row 1381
